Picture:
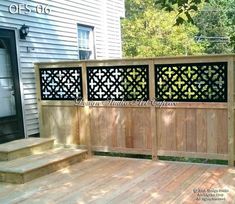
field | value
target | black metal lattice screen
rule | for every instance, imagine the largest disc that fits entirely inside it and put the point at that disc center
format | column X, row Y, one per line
column 61, row 83
column 197, row 82
column 118, row 83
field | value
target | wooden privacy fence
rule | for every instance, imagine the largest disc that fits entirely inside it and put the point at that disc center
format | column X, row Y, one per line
column 169, row 106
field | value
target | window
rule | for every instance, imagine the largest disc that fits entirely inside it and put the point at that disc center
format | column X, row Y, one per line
column 85, row 42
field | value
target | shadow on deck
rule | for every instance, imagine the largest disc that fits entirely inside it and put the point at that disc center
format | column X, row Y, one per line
column 123, row 180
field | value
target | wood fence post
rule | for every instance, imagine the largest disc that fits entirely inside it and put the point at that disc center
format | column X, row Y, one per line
column 86, row 109
column 38, row 95
column 153, row 111
column 231, row 112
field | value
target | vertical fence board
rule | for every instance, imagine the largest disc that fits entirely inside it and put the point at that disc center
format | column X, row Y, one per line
column 161, row 130
column 191, row 143
column 231, row 112
column 129, row 136
column 140, row 127
column 120, row 119
column 169, row 120
column 94, row 123
column 222, row 139
column 201, row 117
column 180, row 130
column 211, row 132
column 113, row 127
column 81, row 126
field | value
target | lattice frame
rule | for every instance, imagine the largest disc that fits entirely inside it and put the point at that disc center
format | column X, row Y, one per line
column 119, row 83
column 61, row 83
column 191, row 82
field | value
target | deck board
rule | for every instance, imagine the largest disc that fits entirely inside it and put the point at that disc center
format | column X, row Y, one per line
column 122, row 180
column 23, row 143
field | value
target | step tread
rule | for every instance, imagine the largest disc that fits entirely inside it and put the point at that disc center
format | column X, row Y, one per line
column 22, row 144
column 29, row 163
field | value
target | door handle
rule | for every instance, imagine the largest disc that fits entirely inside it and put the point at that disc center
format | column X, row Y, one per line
column 13, row 93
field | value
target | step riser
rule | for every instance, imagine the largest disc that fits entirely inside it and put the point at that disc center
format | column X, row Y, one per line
column 20, row 178
column 26, row 151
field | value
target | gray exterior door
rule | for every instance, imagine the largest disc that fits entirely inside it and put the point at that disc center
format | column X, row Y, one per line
column 11, row 120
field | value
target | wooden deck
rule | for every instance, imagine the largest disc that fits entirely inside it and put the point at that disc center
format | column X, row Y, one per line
column 121, row 180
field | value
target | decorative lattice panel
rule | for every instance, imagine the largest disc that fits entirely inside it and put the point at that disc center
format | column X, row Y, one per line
column 192, row 82
column 61, row 83
column 118, row 83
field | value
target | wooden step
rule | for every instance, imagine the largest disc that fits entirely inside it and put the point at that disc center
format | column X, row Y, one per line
column 28, row 168
column 24, row 147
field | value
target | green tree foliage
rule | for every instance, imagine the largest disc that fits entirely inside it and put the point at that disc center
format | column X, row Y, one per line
column 216, row 21
column 184, row 8
column 149, row 31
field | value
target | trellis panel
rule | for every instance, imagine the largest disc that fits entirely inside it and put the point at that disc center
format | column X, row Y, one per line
column 61, row 83
column 118, row 83
column 193, row 82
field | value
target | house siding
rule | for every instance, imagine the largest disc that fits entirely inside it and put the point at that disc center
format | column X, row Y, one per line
column 54, row 37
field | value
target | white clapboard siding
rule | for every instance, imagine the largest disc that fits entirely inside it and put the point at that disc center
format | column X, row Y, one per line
column 54, row 37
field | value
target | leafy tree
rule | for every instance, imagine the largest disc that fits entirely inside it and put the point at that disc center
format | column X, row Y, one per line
column 216, row 26
column 230, row 21
column 149, row 31
column 184, row 8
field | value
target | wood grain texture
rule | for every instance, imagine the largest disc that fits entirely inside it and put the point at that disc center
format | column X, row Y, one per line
column 211, row 131
column 86, row 109
column 188, row 130
column 222, row 132
column 28, row 168
column 122, row 180
column 60, row 123
column 192, row 130
column 153, row 112
column 231, row 119
column 24, row 147
column 180, row 130
column 201, row 133
column 120, row 127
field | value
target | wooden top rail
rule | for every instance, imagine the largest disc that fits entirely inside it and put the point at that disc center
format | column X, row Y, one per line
column 165, row 59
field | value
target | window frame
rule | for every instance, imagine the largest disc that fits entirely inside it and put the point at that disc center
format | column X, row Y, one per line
column 91, row 40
